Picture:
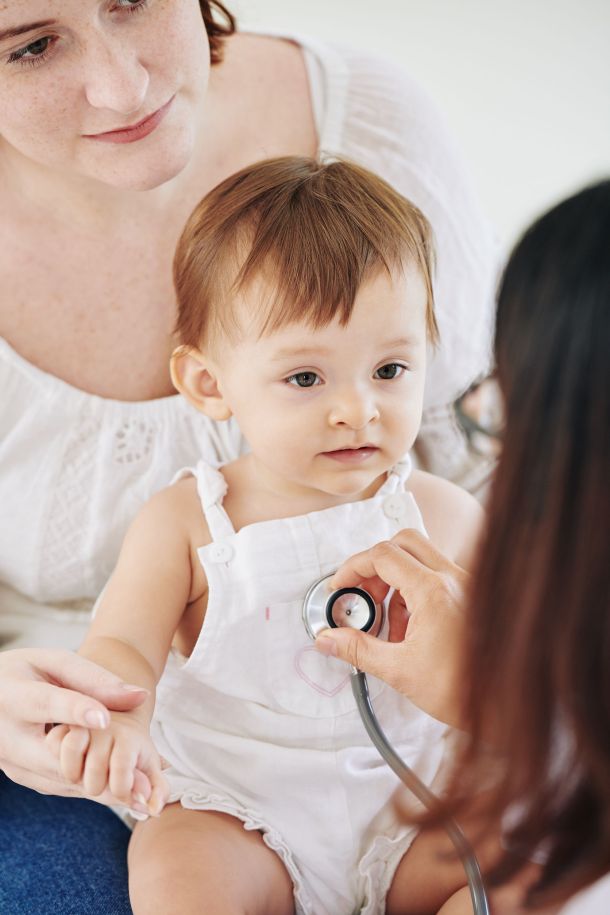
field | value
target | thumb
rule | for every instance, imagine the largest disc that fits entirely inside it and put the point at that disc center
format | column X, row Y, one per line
column 365, row 652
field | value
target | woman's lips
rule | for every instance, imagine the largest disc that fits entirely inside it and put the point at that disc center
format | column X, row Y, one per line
column 136, row 131
column 351, row 455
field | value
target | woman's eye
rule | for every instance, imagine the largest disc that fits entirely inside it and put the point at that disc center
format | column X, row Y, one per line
column 35, row 49
column 390, row 371
column 304, row 379
column 132, row 7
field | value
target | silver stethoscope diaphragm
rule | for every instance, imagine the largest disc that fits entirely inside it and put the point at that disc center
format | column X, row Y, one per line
column 351, row 607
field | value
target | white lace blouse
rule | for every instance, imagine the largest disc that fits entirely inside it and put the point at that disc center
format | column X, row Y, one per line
column 75, row 468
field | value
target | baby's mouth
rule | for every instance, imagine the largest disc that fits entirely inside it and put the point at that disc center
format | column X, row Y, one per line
column 352, row 455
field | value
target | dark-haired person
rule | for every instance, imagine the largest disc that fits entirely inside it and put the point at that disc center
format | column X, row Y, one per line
column 533, row 676
column 116, row 117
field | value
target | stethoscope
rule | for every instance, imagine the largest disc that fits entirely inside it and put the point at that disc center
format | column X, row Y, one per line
column 355, row 608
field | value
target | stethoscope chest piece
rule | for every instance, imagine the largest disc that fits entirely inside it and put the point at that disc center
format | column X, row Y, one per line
column 352, row 607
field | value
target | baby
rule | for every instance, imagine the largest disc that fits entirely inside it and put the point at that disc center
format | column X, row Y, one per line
column 305, row 312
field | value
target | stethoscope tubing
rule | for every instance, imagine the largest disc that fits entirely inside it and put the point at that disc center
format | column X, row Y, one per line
column 318, row 614
column 461, row 844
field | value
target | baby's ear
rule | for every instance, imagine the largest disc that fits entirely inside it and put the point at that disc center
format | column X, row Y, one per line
column 193, row 375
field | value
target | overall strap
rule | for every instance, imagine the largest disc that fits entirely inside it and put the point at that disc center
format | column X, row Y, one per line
column 398, row 475
column 212, row 488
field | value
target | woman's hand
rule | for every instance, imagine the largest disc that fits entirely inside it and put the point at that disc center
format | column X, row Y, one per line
column 422, row 656
column 39, row 687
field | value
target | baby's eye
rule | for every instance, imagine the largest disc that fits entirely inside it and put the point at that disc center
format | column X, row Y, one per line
column 390, row 371
column 304, row 379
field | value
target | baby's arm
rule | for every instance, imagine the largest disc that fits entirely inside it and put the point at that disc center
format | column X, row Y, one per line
column 453, row 518
column 131, row 636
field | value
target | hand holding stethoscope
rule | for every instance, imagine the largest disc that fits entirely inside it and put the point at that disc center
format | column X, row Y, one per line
column 421, row 658
column 426, row 621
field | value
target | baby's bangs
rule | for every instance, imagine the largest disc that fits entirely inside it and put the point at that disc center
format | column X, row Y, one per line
column 312, row 265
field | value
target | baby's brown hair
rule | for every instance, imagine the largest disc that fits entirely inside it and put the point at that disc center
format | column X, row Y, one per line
column 313, row 231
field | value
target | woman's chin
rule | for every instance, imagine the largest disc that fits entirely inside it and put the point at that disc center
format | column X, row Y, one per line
column 145, row 179
column 139, row 169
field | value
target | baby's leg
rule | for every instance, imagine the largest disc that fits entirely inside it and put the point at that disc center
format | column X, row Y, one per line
column 430, row 880
column 503, row 901
column 195, row 861
column 427, row 876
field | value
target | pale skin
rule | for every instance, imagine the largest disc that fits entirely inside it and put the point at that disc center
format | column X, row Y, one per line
column 87, row 232
column 318, row 391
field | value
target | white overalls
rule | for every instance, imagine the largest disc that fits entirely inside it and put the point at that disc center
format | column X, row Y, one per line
column 257, row 724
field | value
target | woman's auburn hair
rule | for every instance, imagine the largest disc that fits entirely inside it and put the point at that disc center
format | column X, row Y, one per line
column 537, row 658
column 219, row 24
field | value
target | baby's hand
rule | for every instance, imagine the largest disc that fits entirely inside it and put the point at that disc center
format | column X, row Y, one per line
column 120, row 759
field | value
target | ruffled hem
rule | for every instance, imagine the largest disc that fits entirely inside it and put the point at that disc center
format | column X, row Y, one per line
column 193, row 798
column 378, row 866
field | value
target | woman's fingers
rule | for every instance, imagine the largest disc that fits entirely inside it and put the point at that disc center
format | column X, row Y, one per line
column 386, row 565
column 39, row 686
column 398, row 617
column 364, row 652
column 58, row 786
column 38, row 702
column 77, row 675
column 41, row 783
column 422, row 657
column 25, row 747
column 409, row 563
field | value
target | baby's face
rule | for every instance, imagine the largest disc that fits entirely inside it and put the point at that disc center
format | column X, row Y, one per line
column 333, row 409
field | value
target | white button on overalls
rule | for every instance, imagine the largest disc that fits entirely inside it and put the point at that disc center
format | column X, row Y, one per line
column 394, row 506
column 221, row 552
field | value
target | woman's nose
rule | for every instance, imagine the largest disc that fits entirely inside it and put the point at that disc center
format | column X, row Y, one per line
column 354, row 410
column 115, row 78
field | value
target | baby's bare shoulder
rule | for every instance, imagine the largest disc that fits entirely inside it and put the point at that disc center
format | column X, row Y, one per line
column 452, row 516
column 173, row 515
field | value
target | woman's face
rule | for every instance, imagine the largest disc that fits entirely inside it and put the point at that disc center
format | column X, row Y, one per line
column 75, row 73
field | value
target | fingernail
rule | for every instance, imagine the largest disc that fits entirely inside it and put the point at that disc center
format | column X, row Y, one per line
column 140, row 799
column 326, row 646
column 137, row 814
column 131, row 688
column 96, row 719
column 155, row 808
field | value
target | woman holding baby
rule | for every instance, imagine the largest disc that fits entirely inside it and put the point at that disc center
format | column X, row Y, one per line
column 116, row 118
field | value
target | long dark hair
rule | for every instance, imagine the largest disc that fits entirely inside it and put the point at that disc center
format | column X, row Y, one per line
column 219, row 24
column 537, row 663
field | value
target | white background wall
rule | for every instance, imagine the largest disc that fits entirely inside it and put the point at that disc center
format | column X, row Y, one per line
column 524, row 84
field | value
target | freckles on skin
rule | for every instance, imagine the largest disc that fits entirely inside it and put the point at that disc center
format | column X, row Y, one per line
column 156, row 54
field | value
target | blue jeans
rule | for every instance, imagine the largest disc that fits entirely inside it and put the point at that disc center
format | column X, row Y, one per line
column 60, row 856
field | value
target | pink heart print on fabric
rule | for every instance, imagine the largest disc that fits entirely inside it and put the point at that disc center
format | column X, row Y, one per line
column 326, row 675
